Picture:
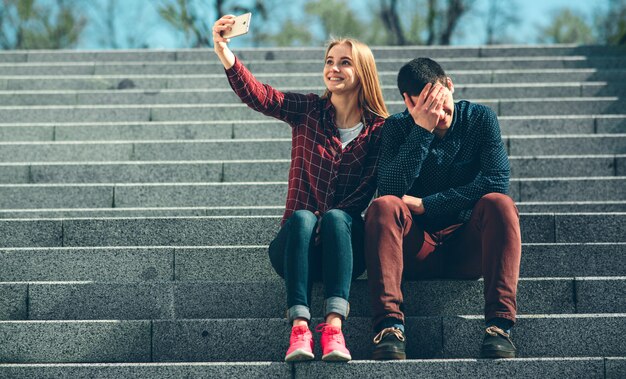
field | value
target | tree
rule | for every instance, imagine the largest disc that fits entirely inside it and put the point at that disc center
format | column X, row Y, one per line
column 566, row 26
column 336, row 18
column 27, row 24
column 500, row 16
column 611, row 24
column 191, row 17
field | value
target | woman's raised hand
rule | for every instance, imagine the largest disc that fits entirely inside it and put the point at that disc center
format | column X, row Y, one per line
column 220, row 44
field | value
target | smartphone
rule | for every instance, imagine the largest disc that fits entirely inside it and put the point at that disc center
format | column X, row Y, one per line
column 240, row 27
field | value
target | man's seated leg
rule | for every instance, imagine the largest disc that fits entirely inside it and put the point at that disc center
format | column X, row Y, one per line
column 489, row 244
column 394, row 245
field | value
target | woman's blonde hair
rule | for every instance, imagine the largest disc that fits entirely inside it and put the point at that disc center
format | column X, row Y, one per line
column 370, row 93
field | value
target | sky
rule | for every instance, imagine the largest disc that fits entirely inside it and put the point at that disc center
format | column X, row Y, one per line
column 160, row 35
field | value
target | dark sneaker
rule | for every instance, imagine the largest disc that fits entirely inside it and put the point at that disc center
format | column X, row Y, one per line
column 389, row 344
column 497, row 344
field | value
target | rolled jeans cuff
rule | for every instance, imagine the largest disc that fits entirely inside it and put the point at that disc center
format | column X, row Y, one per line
column 298, row 311
column 337, row 305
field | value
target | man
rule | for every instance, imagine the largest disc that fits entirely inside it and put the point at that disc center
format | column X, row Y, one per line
column 443, row 211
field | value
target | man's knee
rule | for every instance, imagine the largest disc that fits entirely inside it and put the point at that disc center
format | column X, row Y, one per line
column 383, row 207
column 499, row 203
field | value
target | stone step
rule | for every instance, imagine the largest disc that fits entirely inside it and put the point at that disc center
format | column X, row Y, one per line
column 265, row 298
column 259, row 230
column 268, row 128
column 549, row 368
column 275, row 210
column 266, row 170
column 293, row 79
column 232, row 111
column 265, row 149
column 229, row 339
column 210, row 65
column 311, row 53
column 254, row 194
column 128, row 97
column 249, row 263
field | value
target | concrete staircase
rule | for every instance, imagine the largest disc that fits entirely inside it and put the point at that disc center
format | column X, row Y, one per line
column 138, row 196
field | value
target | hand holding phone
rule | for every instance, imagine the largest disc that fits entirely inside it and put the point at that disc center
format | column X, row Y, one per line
column 240, row 26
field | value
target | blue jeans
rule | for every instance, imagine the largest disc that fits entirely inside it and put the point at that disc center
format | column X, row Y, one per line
column 337, row 260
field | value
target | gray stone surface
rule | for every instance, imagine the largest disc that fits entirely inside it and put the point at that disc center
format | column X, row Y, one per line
column 572, row 189
column 256, row 171
column 615, row 368
column 601, row 295
column 546, row 167
column 87, row 82
column 209, row 194
column 143, row 131
column 55, row 196
column 127, row 264
column 37, row 99
column 566, row 145
column 49, row 69
column 12, row 56
column 14, row 174
column 261, row 130
column 590, row 227
column 200, row 231
column 620, row 165
column 100, row 301
column 542, row 336
column 547, row 76
column 197, row 340
column 537, row 228
column 213, row 150
column 13, row 133
column 198, row 370
column 31, row 233
column 234, row 263
column 569, row 260
column 68, row 213
column 546, row 125
column 65, row 152
column 573, row 207
column 127, row 172
column 74, row 114
column 13, row 301
column 546, row 106
column 611, row 124
column 90, row 56
column 457, row 368
column 74, row 341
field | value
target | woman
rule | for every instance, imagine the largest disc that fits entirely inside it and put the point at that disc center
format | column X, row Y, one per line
column 335, row 146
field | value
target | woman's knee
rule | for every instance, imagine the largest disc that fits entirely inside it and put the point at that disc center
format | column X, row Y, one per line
column 336, row 218
column 303, row 219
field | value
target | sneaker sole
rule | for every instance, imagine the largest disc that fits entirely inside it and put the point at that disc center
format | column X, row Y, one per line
column 299, row 356
column 497, row 354
column 388, row 355
column 337, row 356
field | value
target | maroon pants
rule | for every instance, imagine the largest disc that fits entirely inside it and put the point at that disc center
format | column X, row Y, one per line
column 488, row 245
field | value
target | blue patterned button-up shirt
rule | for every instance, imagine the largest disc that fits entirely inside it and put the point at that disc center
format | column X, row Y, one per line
column 450, row 174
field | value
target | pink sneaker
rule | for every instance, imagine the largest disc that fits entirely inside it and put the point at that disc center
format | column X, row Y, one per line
column 333, row 344
column 300, row 344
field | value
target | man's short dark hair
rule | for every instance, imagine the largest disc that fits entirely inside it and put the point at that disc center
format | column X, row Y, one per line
column 414, row 75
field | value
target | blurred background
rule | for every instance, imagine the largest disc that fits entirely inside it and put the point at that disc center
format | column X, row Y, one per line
column 167, row 24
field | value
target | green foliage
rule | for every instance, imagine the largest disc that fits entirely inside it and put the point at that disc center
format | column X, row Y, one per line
column 567, row 26
column 611, row 24
column 336, row 18
column 291, row 34
column 28, row 24
column 183, row 16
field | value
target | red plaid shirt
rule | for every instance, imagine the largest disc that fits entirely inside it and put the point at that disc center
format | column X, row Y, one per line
column 322, row 175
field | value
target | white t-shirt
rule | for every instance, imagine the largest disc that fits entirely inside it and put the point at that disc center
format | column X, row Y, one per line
column 347, row 135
